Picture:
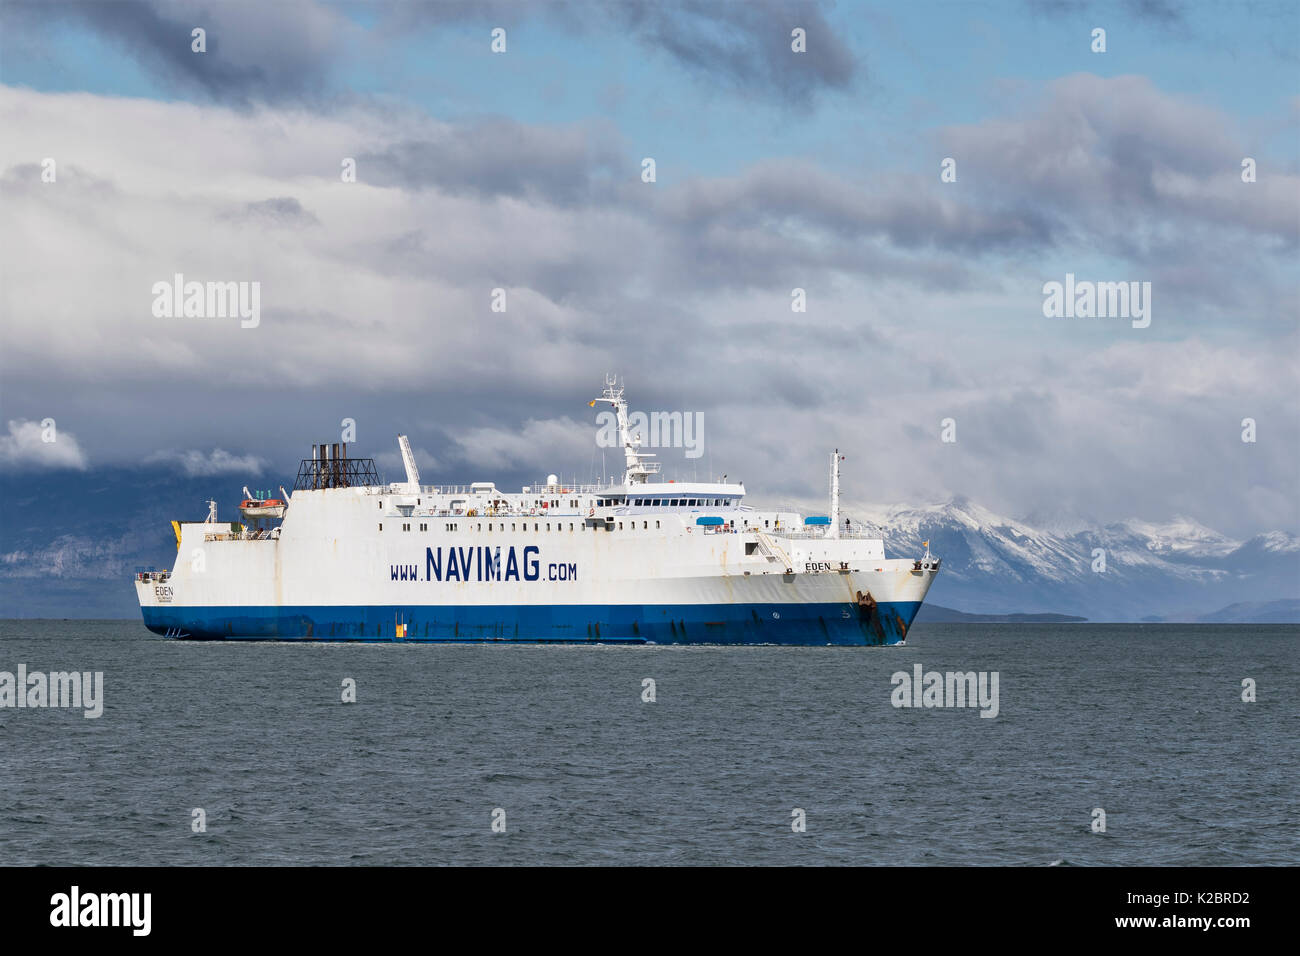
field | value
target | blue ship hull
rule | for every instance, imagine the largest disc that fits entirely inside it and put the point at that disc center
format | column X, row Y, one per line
column 796, row 624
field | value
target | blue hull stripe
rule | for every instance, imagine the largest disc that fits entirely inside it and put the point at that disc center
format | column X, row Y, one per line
column 618, row 623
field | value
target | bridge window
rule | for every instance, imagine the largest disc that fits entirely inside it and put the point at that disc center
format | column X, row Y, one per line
column 381, row 526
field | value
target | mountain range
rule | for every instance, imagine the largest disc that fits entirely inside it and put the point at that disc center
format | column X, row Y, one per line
column 1174, row 571
column 69, row 542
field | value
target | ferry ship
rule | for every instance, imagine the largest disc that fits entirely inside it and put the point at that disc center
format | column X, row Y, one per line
column 347, row 557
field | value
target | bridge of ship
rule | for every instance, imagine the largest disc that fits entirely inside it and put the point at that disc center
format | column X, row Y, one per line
column 484, row 499
column 603, row 504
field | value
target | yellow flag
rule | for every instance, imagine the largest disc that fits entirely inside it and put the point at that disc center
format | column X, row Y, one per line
column 591, row 404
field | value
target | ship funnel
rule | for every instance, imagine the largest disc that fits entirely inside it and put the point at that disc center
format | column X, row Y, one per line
column 330, row 467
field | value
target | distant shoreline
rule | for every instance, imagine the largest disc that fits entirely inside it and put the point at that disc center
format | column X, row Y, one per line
column 938, row 614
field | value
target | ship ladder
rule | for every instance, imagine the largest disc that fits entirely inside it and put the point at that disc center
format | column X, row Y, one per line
column 772, row 550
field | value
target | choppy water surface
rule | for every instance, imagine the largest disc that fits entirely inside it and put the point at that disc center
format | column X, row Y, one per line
column 1145, row 722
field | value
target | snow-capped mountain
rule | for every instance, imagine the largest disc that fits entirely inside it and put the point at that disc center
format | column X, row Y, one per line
column 69, row 542
column 995, row 564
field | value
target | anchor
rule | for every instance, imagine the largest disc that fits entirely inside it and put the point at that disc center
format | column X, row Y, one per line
column 869, row 611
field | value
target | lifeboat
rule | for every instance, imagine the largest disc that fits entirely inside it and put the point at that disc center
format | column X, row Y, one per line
column 255, row 507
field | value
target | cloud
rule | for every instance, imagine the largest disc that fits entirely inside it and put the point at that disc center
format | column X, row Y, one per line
column 73, row 557
column 37, row 445
column 282, row 211
column 1116, row 169
column 744, row 46
column 1165, row 13
column 292, row 50
column 255, row 52
column 747, row 46
column 539, row 445
column 195, row 463
column 500, row 157
column 1111, row 159
column 924, row 301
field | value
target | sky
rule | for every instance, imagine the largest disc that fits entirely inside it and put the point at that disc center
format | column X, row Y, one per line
column 775, row 170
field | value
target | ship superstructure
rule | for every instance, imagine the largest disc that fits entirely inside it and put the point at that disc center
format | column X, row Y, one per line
column 347, row 557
